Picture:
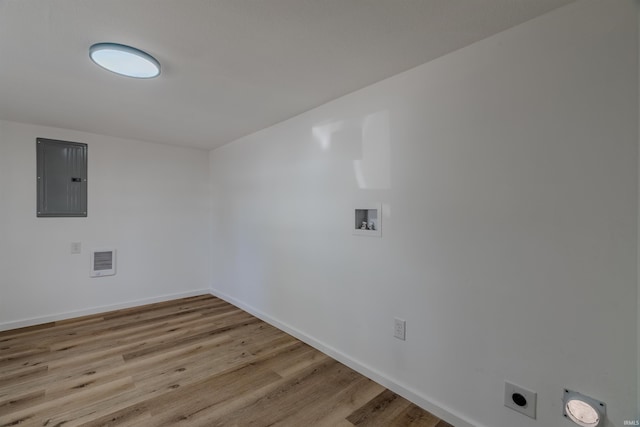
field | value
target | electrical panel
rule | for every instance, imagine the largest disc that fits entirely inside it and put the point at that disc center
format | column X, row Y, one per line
column 61, row 178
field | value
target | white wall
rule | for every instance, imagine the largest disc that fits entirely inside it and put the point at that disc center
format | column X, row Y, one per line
column 638, row 313
column 508, row 175
column 149, row 201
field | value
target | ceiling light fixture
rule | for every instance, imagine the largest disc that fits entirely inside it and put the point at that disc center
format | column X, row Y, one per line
column 583, row 410
column 124, row 60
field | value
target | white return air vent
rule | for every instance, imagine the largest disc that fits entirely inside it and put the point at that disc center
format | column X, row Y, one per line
column 103, row 262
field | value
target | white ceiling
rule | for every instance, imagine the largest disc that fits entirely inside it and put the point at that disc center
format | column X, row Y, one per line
column 230, row 67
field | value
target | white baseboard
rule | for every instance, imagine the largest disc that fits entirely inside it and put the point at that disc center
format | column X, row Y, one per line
column 99, row 309
column 408, row 393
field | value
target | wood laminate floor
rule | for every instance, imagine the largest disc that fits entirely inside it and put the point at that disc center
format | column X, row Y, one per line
column 196, row 361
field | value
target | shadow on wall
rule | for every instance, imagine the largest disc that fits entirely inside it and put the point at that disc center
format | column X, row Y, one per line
column 372, row 170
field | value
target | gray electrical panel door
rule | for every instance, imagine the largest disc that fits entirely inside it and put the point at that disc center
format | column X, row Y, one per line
column 62, row 178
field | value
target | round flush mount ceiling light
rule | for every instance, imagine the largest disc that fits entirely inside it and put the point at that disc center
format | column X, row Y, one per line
column 124, row 60
column 583, row 410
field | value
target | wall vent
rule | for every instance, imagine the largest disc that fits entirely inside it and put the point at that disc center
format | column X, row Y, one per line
column 103, row 262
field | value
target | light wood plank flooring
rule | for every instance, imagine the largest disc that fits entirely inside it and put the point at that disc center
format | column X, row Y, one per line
column 195, row 362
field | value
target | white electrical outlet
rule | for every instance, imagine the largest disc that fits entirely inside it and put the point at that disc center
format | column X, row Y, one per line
column 520, row 399
column 400, row 330
column 76, row 247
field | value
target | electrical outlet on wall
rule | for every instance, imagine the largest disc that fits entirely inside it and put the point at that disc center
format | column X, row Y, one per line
column 76, row 247
column 399, row 330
